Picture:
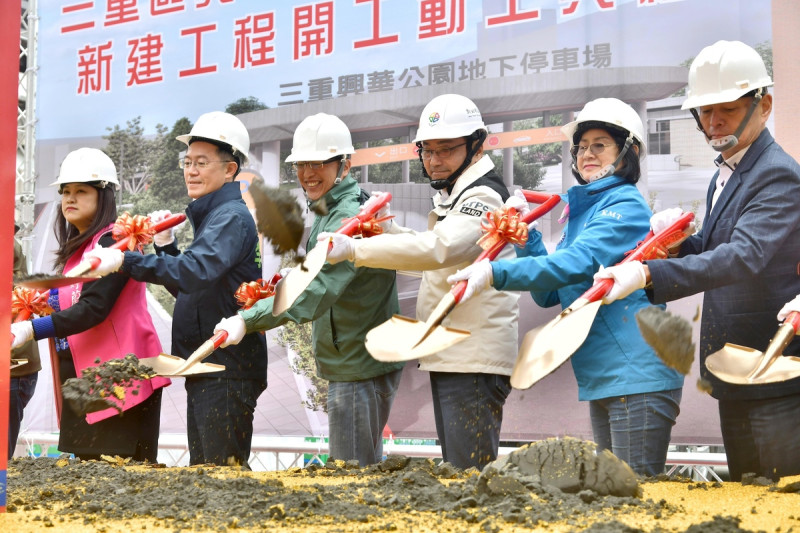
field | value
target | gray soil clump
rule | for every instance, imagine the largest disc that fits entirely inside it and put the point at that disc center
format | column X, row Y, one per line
column 669, row 335
column 571, row 465
column 61, row 491
column 279, row 217
column 103, row 386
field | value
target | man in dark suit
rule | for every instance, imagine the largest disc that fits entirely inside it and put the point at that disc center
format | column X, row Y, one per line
column 746, row 257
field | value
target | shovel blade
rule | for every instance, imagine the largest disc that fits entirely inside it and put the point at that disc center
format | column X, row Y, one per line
column 545, row 349
column 398, row 339
column 166, row 365
column 295, row 283
column 734, row 363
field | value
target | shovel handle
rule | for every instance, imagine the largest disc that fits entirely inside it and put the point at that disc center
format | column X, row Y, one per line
column 793, row 320
column 651, row 245
column 647, row 249
column 88, row 265
column 547, row 203
column 368, row 210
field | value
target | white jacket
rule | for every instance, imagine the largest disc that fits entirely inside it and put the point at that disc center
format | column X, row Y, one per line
column 449, row 244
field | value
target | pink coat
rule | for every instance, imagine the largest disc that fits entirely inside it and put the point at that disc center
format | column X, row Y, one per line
column 127, row 329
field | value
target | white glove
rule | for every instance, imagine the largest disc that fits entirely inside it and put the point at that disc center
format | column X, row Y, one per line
column 628, row 277
column 235, row 327
column 792, row 306
column 344, row 247
column 21, row 332
column 384, row 212
column 110, row 260
column 518, row 202
column 479, row 277
column 664, row 219
column 162, row 238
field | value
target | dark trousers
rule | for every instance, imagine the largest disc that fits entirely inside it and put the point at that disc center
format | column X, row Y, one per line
column 21, row 392
column 468, row 409
column 219, row 419
column 761, row 437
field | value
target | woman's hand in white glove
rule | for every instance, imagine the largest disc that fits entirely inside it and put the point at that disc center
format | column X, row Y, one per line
column 628, row 277
column 111, row 260
column 21, row 332
column 518, row 202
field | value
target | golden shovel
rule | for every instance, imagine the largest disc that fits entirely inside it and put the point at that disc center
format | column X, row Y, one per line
column 548, row 347
column 741, row 365
column 298, row 279
column 403, row 339
column 170, row 366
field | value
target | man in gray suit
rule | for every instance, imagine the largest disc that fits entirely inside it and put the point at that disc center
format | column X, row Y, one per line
column 746, row 257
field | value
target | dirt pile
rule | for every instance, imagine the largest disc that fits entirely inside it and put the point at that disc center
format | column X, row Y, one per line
column 399, row 494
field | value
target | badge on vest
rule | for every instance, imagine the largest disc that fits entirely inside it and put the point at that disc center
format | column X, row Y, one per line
column 474, row 208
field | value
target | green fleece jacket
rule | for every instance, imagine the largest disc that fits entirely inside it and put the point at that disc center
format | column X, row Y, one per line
column 343, row 302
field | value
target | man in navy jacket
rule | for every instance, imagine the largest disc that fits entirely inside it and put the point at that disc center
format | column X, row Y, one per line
column 204, row 278
column 746, row 257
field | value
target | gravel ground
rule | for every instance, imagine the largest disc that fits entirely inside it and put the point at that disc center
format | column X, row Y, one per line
column 558, row 485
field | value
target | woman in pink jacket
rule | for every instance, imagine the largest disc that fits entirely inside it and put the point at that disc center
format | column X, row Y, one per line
column 97, row 321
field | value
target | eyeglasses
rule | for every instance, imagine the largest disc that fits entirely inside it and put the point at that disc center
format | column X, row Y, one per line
column 313, row 165
column 595, row 148
column 441, row 153
column 199, row 165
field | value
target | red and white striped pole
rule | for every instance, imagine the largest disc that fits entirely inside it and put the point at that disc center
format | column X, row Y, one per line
column 10, row 11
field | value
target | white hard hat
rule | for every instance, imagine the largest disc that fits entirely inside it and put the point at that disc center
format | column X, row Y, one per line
column 449, row 116
column 221, row 127
column 86, row 165
column 612, row 112
column 319, row 138
column 724, row 72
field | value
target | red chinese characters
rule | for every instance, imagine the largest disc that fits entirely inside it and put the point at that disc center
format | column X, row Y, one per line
column 144, row 60
column 438, row 18
column 121, row 12
column 376, row 38
column 513, row 16
column 253, row 37
column 164, row 7
column 76, row 8
column 94, row 68
column 198, row 68
column 313, row 30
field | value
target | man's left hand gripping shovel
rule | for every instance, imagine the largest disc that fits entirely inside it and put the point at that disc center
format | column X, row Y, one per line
column 402, row 339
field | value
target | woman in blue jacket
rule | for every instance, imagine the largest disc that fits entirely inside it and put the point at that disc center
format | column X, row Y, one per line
column 633, row 397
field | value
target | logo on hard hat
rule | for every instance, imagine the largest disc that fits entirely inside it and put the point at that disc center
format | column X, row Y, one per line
column 434, row 118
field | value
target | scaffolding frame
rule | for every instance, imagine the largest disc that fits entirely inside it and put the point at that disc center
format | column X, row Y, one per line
column 25, row 179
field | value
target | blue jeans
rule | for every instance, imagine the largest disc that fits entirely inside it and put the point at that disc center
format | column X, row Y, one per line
column 21, row 390
column 637, row 428
column 468, row 409
column 357, row 413
column 219, row 419
column 761, row 436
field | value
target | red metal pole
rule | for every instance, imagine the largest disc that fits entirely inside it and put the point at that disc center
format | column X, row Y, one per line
column 10, row 12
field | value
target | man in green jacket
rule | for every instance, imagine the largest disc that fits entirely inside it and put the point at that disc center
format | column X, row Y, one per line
column 343, row 302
